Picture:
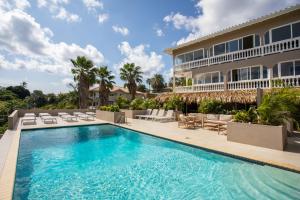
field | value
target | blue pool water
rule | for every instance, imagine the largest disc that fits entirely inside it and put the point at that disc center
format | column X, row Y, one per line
column 108, row 162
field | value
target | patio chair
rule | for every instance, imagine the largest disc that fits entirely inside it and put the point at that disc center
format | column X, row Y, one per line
column 86, row 117
column 48, row 118
column 91, row 113
column 69, row 118
column 28, row 119
column 29, row 115
column 153, row 113
column 161, row 113
column 60, row 114
column 218, row 122
column 185, row 122
column 168, row 117
column 78, row 113
column 148, row 112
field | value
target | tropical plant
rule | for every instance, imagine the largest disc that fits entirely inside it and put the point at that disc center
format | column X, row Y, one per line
column 174, row 103
column 141, row 88
column 19, row 90
column 136, row 104
column 132, row 75
column 211, row 106
column 37, row 99
column 110, row 108
column 246, row 116
column 278, row 106
column 122, row 102
column 150, row 104
column 105, row 80
column 157, row 82
column 84, row 73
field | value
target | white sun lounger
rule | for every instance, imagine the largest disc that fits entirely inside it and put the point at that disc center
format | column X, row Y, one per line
column 91, row 113
column 29, row 115
column 60, row 114
column 160, row 113
column 168, row 117
column 44, row 114
column 149, row 111
column 48, row 118
column 69, row 118
column 86, row 117
column 153, row 113
column 28, row 119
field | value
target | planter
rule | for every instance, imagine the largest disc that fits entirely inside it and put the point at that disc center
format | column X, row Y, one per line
column 133, row 113
column 115, row 117
column 273, row 137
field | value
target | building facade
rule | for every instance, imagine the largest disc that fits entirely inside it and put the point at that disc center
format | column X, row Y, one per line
column 114, row 94
column 261, row 53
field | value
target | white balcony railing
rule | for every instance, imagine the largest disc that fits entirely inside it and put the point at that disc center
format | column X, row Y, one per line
column 242, row 85
column 276, row 47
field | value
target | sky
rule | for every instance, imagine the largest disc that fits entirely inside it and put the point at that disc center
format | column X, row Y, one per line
column 39, row 37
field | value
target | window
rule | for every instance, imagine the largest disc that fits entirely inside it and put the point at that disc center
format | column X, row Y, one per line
column 296, row 29
column 265, row 72
column 215, row 77
column 275, row 71
column 287, row 69
column 257, row 40
column 228, row 76
column 219, row 49
column 267, row 37
column 243, row 74
column 248, row 42
column 235, row 75
column 198, row 54
column 240, row 44
column 208, row 78
column 232, row 46
column 179, row 59
column 189, row 57
column 255, row 73
column 297, row 67
column 281, row 33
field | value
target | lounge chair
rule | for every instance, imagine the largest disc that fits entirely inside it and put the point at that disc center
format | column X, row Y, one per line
column 60, row 114
column 28, row 119
column 168, row 117
column 48, row 118
column 44, row 114
column 85, row 116
column 160, row 113
column 153, row 113
column 186, row 122
column 69, row 118
column 148, row 112
column 29, row 115
column 91, row 113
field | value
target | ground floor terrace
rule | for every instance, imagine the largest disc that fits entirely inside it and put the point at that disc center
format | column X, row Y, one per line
column 199, row 138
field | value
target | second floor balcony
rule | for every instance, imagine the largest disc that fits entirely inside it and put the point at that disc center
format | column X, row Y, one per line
column 263, row 50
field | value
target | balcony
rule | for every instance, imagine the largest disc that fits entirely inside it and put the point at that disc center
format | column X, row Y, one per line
column 242, row 85
column 273, row 48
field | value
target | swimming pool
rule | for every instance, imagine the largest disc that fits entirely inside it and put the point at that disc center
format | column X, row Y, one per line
column 109, row 162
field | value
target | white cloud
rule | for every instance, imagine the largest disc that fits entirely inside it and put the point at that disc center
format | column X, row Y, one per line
column 150, row 63
column 214, row 15
column 93, row 4
column 25, row 44
column 123, row 30
column 58, row 11
column 102, row 18
column 159, row 32
column 19, row 4
column 63, row 14
column 67, row 81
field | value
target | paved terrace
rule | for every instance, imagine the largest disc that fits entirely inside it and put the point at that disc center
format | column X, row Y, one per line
column 203, row 138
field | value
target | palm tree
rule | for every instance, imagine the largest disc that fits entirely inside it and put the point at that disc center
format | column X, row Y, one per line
column 84, row 73
column 105, row 80
column 157, row 82
column 132, row 75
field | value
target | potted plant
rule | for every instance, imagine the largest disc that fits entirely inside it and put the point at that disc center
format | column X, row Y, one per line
column 110, row 113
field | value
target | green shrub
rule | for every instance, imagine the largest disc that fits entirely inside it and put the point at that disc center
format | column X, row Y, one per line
column 150, row 104
column 110, row 108
column 278, row 106
column 122, row 102
column 211, row 106
column 246, row 116
column 3, row 128
column 173, row 103
column 137, row 104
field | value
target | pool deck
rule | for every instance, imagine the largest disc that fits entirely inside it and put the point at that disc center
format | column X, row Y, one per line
column 289, row 159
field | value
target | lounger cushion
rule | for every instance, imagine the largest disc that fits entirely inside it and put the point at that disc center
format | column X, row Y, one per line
column 212, row 117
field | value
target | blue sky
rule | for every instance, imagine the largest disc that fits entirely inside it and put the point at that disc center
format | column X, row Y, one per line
column 38, row 37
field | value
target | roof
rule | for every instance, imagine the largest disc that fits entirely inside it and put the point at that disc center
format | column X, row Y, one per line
column 236, row 27
column 115, row 89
